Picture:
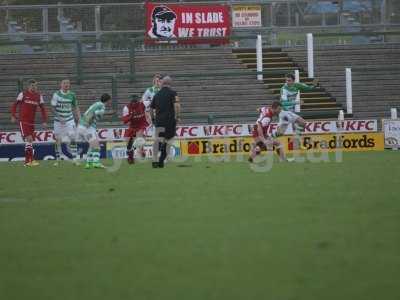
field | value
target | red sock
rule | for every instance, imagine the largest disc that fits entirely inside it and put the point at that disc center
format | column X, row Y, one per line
column 130, row 156
column 28, row 153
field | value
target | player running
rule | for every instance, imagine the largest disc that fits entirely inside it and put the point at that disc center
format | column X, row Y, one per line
column 263, row 140
column 87, row 130
column 28, row 102
column 134, row 114
column 65, row 105
column 151, row 91
column 289, row 93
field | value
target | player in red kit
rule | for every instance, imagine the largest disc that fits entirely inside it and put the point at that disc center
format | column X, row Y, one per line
column 28, row 102
column 263, row 139
column 134, row 114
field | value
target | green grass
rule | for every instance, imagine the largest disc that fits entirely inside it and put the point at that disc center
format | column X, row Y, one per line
column 210, row 231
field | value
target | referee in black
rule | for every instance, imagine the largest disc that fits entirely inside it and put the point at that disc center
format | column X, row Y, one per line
column 165, row 109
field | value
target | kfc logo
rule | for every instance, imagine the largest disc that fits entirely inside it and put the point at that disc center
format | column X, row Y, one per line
column 163, row 23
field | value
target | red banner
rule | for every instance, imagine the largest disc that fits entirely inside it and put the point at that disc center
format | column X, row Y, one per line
column 187, row 24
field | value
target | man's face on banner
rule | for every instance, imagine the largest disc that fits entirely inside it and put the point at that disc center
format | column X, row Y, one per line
column 164, row 26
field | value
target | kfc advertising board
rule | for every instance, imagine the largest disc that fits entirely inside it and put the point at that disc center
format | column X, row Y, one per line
column 187, row 24
column 205, row 131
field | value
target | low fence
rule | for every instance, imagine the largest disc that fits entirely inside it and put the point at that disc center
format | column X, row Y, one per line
column 281, row 22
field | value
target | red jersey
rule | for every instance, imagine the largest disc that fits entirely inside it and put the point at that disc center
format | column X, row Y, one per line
column 264, row 120
column 28, row 103
column 134, row 115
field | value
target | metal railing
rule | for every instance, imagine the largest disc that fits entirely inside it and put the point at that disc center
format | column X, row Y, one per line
column 97, row 19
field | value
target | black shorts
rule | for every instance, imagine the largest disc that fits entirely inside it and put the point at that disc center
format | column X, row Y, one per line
column 169, row 130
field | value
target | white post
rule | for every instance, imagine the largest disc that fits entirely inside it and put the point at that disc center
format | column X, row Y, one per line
column 259, row 57
column 297, row 107
column 349, row 91
column 393, row 113
column 340, row 121
column 310, row 55
column 97, row 22
column 341, row 115
column 393, row 116
column 296, row 76
column 45, row 21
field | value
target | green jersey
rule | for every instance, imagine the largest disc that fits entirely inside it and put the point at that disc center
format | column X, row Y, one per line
column 149, row 95
column 94, row 113
column 63, row 104
column 289, row 94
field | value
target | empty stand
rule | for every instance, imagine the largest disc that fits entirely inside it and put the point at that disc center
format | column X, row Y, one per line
column 376, row 72
column 317, row 103
column 202, row 90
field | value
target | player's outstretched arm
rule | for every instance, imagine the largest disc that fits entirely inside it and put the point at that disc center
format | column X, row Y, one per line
column 302, row 87
column 14, row 107
column 109, row 112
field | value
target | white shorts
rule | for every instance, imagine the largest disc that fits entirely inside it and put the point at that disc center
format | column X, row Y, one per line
column 87, row 134
column 147, row 104
column 287, row 117
column 66, row 131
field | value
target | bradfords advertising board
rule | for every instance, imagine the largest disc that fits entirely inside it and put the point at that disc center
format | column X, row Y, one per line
column 349, row 142
column 206, row 131
column 190, row 24
column 391, row 129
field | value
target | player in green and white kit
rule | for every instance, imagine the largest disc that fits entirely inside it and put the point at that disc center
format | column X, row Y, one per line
column 87, row 130
column 64, row 106
column 151, row 91
column 289, row 93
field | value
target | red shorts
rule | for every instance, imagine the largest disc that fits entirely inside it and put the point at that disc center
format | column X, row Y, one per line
column 256, row 136
column 132, row 131
column 27, row 129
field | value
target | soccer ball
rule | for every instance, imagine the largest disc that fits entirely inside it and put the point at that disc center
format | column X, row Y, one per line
column 139, row 142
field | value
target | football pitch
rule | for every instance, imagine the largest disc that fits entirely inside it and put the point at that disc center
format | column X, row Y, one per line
column 202, row 230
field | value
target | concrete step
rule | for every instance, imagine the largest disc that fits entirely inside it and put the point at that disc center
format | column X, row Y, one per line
column 251, row 50
column 320, row 105
column 272, row 65
column 266, row 60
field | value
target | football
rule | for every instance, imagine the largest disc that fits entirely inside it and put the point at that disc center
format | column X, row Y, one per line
column 139, row 142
